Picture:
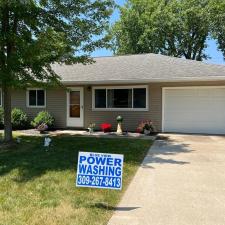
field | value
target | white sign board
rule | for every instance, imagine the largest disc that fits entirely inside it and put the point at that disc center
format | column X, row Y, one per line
column 99, row 170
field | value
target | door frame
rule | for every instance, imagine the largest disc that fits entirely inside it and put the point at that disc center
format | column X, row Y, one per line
column 68, row 122
column 181, row 87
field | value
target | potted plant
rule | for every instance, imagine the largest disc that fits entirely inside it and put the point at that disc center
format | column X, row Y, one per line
column 91, row 127
column 106, row 127
column 42, row 128
column 145, row 127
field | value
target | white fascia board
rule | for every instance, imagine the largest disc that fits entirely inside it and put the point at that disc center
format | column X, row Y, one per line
column 186, row 79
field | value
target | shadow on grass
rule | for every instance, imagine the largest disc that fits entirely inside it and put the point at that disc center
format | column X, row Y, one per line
column 111, row 208
column 32, row 160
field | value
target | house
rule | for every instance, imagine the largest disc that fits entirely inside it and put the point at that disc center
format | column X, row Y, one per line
column 178, row 95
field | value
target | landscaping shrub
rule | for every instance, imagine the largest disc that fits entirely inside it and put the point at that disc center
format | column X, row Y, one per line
column 43, row 117
column 106, row 127
column 19, row 119
column 1, row 118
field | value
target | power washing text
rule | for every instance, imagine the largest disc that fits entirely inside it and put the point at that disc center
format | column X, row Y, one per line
column 99, row 170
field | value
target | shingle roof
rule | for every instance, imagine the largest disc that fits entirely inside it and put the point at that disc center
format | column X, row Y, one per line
column 139, row 68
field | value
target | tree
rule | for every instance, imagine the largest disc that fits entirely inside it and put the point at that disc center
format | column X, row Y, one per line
column 217, row 9
column 37, row 33
column 177, row 28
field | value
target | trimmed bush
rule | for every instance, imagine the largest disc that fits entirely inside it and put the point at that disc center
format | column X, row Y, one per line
column 19, row 119
column 43, row 117
column 1, row 118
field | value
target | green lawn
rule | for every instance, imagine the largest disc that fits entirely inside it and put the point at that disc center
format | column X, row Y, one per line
column 37, row 187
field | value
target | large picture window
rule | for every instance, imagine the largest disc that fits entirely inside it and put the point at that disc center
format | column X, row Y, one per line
column 36, row 98
column 120, row 98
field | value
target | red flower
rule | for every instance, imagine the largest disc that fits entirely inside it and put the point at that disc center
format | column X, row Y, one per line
column 106, row 127
column 139, row 130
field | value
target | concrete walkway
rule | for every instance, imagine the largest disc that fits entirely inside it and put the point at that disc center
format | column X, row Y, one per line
column 84, row 133
column 181, row 182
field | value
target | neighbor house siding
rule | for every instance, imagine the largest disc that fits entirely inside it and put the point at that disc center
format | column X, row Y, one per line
column 55, row 105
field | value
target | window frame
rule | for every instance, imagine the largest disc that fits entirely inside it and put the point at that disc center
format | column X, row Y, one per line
column 28, row 98
column 120, row 109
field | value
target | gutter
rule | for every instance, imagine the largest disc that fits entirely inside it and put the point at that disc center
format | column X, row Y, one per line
column 142, row 81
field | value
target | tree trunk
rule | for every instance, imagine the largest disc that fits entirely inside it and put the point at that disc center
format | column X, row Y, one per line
column 7, row 114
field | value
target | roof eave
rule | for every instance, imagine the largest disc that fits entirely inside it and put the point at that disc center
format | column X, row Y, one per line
column 142, row 81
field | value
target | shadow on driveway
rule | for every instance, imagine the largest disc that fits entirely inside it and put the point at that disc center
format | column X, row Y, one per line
column 163, row 148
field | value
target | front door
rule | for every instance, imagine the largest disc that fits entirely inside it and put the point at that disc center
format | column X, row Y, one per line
column 75, row 107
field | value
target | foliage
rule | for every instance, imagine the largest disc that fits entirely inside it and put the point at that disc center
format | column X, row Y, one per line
column 173, row 27
column 19, row 119
column 145, row 125
column 37, row 34
column 1, row 118
column 43, row 117
column 106, row 127
column 92, row 125
column 35, row 180
column 119, row 119
column 217, row 8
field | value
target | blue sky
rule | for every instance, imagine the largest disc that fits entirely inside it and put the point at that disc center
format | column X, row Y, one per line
column 216, row 56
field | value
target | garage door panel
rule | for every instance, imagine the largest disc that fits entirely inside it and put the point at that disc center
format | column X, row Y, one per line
column 194, row 110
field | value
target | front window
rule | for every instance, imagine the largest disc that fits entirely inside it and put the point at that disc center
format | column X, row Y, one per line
column 100, row 98
column 120, row 98
column 36, row 98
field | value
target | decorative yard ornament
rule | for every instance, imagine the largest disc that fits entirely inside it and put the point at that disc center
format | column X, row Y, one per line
column 47, row 141
column 119, row 125
column 18, row 140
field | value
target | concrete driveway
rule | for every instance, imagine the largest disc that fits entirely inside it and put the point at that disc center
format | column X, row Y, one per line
column 181, row 182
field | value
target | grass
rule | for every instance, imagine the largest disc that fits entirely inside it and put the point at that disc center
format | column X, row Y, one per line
column 37, row 187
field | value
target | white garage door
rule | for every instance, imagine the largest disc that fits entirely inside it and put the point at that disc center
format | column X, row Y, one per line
column 194, row 110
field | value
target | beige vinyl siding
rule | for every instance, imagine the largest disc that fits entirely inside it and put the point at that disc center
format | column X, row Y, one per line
column 132, row 118
column 55, row 104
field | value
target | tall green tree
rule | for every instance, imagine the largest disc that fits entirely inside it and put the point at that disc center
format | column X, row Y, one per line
column 34, row 34
column 217, row 9
column 171, row 27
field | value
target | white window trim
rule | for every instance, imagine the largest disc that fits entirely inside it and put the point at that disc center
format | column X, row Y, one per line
column 1, row 97
column 27, row 97
column 120, row 109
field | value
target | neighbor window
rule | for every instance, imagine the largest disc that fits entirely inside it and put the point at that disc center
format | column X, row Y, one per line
column 120, row 98
column 36, row 98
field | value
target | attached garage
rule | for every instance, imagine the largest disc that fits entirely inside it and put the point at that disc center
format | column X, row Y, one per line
column 194, row 109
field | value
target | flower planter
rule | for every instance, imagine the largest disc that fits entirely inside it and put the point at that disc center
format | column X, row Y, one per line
column 147, row 132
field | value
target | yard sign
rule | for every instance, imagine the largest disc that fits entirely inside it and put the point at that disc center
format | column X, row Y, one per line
column 99, row 170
